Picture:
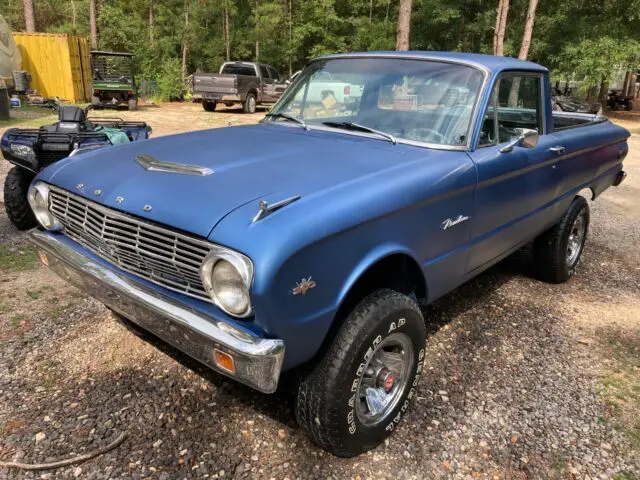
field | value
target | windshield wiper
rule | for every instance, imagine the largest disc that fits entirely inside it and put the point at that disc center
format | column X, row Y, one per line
column 362, row 128
column 291, row 118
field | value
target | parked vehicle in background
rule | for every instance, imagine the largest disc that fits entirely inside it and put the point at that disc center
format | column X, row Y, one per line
column 562, row 103
column 114, row 82
column 251, row 84
column 617, row 101
column 32, row 149
column 308, row 241
column 327, row 89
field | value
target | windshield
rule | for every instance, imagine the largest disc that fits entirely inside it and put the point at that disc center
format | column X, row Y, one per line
column 416, row 100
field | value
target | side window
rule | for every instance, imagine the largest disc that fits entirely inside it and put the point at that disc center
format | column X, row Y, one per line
column 273, row 74
column 515, row 103
column 264, row 72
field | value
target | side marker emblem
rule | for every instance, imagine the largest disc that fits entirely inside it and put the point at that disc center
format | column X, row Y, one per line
column 303, row 286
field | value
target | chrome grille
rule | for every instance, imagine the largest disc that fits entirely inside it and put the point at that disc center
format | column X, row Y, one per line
column 157, row 254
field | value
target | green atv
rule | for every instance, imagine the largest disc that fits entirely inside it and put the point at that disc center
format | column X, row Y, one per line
column 113, row 83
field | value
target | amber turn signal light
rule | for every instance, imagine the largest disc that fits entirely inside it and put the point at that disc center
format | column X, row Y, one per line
column 224, row 361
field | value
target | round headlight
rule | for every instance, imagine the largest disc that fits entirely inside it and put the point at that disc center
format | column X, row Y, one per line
column 229, row 288
column 39, row 201
column 226, row 276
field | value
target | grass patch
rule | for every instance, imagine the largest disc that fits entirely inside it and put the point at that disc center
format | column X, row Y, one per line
column 620, row 388
column 17, row 260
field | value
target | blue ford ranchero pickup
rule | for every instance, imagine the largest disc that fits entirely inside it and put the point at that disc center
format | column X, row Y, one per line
column 307, row 241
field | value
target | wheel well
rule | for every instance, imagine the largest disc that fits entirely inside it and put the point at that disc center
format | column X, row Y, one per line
column 397, row 272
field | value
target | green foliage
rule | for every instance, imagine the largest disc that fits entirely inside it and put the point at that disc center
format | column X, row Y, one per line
column 575, row 38
column 598, row 59
column 170, row 85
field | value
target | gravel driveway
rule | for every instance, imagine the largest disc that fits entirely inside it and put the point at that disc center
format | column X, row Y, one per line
column 516, row 385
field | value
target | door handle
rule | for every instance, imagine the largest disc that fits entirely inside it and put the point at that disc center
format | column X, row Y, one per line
column 557, row 149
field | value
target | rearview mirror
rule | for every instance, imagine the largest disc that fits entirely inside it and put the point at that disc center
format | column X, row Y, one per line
column 526, row 138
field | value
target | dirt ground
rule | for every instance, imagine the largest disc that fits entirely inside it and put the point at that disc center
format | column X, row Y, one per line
column 523, row 380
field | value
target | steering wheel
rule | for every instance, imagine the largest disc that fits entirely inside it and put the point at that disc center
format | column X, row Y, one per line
column 419, row 133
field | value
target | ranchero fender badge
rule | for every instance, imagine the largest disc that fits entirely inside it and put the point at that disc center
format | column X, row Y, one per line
column 153, row 165
column 80, row 186
column 147, row 208
column 303, row 286
column 448, row 223
column 97, row 192
column 119, row 199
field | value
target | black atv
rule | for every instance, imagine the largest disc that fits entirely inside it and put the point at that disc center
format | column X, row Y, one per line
column 617, row 101
column 32, row 149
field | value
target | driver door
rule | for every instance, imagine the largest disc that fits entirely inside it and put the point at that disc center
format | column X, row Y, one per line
column 516, row 188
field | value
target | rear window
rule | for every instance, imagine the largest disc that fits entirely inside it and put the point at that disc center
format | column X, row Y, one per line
column 234, row 69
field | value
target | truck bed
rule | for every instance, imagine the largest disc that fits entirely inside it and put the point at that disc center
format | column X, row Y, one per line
column 565, row 120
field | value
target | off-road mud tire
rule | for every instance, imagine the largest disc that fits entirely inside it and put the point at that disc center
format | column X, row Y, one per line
column 16, row 186
column 323, row 407
column 550, row 248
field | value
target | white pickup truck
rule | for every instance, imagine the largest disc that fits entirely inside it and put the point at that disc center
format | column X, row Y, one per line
column 325, row 86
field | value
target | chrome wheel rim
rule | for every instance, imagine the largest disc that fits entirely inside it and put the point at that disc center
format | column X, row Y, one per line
column 384, row 379
column 576, row 239
column 252, row 104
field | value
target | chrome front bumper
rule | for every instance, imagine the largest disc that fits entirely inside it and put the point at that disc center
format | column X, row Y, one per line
column 257, row 360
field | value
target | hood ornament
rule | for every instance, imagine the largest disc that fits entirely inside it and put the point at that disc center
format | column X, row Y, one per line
column 265, row 209
column 153, row 165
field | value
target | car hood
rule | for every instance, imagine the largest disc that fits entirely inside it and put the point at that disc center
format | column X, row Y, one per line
column 249, row 163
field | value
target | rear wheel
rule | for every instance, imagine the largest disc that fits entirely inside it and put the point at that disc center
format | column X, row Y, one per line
column 95, row 100
column 249, row 105
column 557, row 252
column 16, row 187
column 133, row 104
column 208, row 105
column 355, row 396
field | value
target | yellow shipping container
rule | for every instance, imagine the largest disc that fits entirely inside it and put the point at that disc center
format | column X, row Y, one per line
column 58, row 63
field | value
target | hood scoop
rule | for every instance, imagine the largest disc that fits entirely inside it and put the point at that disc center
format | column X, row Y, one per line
column 153, row 165
column 266, row 209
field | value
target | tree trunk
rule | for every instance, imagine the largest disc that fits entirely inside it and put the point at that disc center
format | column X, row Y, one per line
column 92, row 24
column 29, row 16
column 528, row 30
column 501, row 27
column 602, row 94
column 227, row 39
column 151, row 24
column 73, row 16
column 290, row 38
column 370, row 11
column 524, row 50
column 404, row 25
column 185, row 48
column 257, row 50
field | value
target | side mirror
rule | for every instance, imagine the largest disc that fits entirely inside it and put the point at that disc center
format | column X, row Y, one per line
column 526, row 138
column 288, row 82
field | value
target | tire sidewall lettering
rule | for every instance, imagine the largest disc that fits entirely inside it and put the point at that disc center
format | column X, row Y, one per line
column 352, row 425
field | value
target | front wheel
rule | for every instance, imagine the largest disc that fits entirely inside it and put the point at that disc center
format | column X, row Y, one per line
column 16, row 187
column 133, row 104
column 557, row 252
column 358, row 392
